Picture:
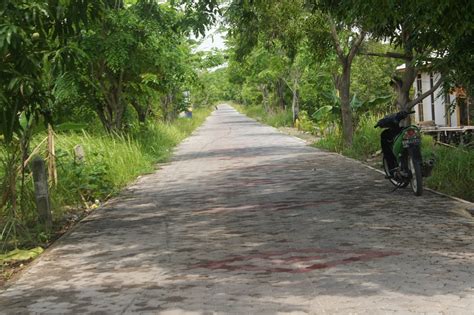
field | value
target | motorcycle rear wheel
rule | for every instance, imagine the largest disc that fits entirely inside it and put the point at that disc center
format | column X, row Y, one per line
column 393, row 180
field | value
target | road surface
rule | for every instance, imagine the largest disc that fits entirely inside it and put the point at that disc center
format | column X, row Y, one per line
column 246, row 220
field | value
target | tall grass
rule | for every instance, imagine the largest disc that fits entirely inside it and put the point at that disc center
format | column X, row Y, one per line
column 331, row 141
column 366, row 140
column 454, row 169
column 275, row 118
column 110, row 163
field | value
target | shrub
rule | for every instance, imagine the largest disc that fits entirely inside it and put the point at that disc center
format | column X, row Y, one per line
column 305, row 123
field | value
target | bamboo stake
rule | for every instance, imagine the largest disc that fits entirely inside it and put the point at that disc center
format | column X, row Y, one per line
column 52, row 172
column 449, row 146
column 33, row 153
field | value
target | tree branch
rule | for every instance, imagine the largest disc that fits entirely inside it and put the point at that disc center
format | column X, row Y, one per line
column 388, row 55
column 412, row 103
column 288, row 85
column 335, row 37
column 355, row 46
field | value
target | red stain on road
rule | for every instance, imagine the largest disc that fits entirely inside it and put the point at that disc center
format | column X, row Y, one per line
column 294, row 261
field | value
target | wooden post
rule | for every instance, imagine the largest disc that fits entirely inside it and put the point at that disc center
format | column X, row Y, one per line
column 79, row 154
column 40, row 179
column 52, row 172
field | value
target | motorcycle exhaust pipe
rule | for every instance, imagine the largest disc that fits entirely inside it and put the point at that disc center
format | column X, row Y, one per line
column 427, row 167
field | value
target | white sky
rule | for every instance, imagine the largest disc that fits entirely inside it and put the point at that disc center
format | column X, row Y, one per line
column 213, row 40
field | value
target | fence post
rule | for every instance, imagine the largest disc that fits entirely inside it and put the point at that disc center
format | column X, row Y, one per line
column 40, row 179
column 79, row 154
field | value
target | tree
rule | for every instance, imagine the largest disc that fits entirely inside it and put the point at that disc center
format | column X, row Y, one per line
column 135, row 55
column 283, row 24
column 330, row 35
column 277, row 27
column 31, row 34
column 428, row 33
column 129, row 43
column 33, row 42
column 263, row 69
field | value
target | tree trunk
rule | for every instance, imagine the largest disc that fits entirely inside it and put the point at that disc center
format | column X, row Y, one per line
column 142, row 116
column 264, row 89
column 112, row 110
column 343, row 81
column 281, row 93
column 166, row 104
column 402, row 87
column 105, row 123
column 343, row 86
column 142, row 113
column 295, row 104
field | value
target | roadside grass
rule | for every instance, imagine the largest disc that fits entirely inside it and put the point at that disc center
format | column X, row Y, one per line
column 110, row 163
column 453, row 173
column 275, row 118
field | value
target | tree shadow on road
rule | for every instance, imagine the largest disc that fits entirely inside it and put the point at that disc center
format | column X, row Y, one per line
column 289, row 232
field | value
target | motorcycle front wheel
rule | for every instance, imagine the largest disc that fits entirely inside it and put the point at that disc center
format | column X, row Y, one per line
column 393, row 180
column 416, row 180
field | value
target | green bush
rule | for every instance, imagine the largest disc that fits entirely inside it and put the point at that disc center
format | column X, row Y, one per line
column 305, row 123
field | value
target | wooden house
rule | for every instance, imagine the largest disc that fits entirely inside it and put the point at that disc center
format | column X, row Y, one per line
column 443, row 109
column 440, row 109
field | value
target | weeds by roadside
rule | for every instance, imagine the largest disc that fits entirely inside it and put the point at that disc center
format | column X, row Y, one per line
column 276, row 118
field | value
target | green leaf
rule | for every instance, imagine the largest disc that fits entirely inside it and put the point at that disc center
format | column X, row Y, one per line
column 70, row 126
column 379, row 100
column 21, row 255
column 322, row 112
column 23, row 121
column 356, row 103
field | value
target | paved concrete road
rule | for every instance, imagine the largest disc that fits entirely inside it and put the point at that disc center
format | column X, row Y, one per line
column 246, row 220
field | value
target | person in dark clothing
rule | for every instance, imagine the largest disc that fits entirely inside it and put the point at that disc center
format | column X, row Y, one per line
column 386, row 138
column 392, row 125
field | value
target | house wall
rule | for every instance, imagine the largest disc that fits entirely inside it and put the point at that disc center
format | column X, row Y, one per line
column 439, row 103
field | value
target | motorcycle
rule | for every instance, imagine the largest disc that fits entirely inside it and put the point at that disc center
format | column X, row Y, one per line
column 406, row 149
